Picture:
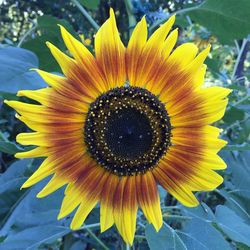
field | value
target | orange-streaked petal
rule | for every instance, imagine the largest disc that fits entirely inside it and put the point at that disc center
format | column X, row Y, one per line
column 150, row 58
column 181, row 193
column 136, row 44
column 107, row 196
column 110, row 52
column 149, row 200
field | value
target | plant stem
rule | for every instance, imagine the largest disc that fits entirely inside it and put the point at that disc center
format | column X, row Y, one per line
column 245, row 98
column 86, row 14
column 94, row 237
column 127, row 246
column 178, row 12
column 28, row 33
column 242, row 147
column 181, row 217
column 171, row 207
column 140, row 236
column 131, row 17
column 240, row 59
column 89, row 226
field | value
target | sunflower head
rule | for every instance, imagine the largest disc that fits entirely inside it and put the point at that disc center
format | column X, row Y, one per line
column 122, row 121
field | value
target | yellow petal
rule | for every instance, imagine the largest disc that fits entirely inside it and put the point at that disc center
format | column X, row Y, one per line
column 46, row 169
column 169, row 43
column 50, row 98
column 182, row 55
column 36, row 152
column 65, row 62
column 82, row 212
column 55, row 183
column 181, row 193
column 199, row 60
column 34, row 138
column 85, row 59
column 160, row 34
column 106, row 210
column 130, row 209
column 135, row 46
column 149, row 200
column 110, row 52
column 53, row 80
column 150, row 60
column 71, row 200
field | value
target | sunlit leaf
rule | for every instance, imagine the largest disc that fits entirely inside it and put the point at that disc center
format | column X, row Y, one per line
column 15, row 74
column 232, row 225
column 227, row 19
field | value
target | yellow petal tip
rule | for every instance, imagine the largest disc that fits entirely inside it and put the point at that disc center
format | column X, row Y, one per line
column 33, row 69
column 111, row 12
column 17, row 155
column 20, row 93
column 40, row 195
column 60, row 216
column 74, row 227
column 48, row 44
column 24, row 185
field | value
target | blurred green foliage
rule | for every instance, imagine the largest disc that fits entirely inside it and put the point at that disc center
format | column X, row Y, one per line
column 222, row 221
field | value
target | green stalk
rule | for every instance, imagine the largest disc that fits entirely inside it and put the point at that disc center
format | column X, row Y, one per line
column 96, row 239
column 86, row 14
column 131, row 17
column 178, row 12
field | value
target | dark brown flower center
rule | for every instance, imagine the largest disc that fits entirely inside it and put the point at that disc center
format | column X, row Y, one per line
column 127, row 130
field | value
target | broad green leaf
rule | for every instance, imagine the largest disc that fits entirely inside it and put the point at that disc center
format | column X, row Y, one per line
column 165, row 239
column 32, row 211
column 90, row 4
column 237, row 203
column 233, row 114
column 213, row 65
column 47, row 30
column 15, row 74
column 239, row 169
column 33, row 221
column 232, row 225
column 227, row 19
column 201, row 212
column 8, row 147
column 33, row 237
column 10, row 182
column 78, row 245
column 241, row 246
column 199, row 234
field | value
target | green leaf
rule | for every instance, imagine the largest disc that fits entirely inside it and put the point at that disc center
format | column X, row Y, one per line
column 48, row 30
column 236, row 203
column 232, row 225
column 201, row 212
column 165, row 239
column 227, row 19
column 199, row 234
column 32, row 238
column 240, row 171
column 8, row 147
column 15, row 74
column 90, row 4
column 233, row 114
column 213, row 65
column 33, row 221
column 10, row 183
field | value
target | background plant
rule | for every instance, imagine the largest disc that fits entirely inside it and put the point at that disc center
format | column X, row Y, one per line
column 222, row 221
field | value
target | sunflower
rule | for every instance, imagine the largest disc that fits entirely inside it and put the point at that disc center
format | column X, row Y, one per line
column 121, row 122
